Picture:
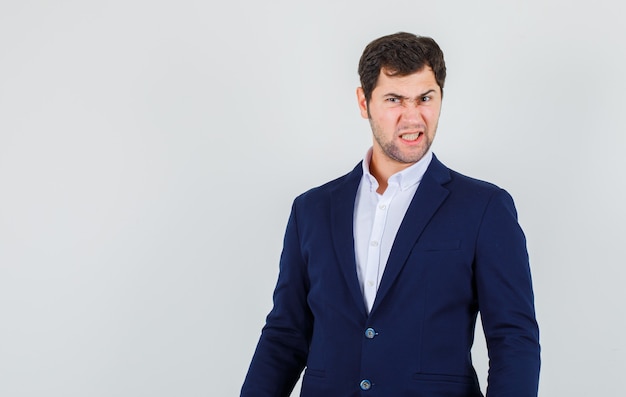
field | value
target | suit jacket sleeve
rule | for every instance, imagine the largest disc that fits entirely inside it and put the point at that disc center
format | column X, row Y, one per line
column 283, row 347
column 505, row 300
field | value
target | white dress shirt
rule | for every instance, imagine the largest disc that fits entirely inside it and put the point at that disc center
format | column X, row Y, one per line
column 377, row 218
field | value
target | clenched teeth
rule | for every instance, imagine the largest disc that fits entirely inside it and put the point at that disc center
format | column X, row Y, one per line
column 410, row 137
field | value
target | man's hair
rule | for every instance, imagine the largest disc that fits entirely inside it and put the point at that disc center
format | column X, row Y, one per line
column 400, row 54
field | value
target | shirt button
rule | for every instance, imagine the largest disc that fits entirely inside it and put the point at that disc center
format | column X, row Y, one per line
column 365, row 384
column 370, row 283
column 374, row 243
column 382, row 206
column 370, row 333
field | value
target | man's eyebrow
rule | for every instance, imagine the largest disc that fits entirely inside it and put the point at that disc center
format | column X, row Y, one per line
column 428, row 92
column 392, row 94
column 395, row 95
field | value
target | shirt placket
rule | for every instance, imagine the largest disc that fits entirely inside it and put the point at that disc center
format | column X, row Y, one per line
column 373, row 272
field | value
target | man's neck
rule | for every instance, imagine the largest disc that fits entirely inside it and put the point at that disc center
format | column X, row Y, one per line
column 383, row 169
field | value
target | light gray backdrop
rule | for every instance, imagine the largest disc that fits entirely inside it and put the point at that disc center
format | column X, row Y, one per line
column 150, row 150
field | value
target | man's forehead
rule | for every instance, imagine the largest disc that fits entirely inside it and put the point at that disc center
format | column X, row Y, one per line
column 419, row 80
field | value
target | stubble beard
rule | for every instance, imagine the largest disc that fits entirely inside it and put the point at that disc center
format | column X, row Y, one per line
column 392, row 151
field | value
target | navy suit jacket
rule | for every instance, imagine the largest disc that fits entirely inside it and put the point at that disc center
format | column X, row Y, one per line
column 459, row 250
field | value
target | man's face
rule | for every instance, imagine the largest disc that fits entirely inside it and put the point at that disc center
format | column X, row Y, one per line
column 403, row 113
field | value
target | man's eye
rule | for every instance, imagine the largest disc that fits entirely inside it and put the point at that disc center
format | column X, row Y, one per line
column 425, row 98
column 393, row 100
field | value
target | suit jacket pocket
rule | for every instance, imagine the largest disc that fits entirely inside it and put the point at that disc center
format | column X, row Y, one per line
column 315, row 384
column 444, row 378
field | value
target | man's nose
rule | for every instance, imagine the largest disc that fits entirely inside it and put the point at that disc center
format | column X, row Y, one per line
column 411, row 110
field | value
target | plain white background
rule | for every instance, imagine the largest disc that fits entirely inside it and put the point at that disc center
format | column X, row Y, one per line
column 150, row 151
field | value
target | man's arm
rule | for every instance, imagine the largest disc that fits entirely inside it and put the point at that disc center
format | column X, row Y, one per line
column 506, row 302
column 282, row 350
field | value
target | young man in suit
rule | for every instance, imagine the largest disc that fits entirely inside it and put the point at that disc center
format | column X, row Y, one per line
column 384, row 270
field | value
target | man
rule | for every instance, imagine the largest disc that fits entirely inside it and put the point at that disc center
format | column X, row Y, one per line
column 384, row 270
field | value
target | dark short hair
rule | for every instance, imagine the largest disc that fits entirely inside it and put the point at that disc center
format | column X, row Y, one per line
column 400, row 54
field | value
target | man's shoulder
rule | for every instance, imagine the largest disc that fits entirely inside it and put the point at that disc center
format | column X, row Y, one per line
column 448, row 176
column 465, row 181
column 461, row 183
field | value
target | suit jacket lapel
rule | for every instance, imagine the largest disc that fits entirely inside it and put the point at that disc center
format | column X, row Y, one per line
column 428, row 197
column 342, row 224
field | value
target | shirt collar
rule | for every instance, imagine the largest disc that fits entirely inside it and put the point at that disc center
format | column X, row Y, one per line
column 405, row 179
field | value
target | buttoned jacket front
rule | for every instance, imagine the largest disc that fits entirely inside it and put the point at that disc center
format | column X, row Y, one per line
column 459, row 250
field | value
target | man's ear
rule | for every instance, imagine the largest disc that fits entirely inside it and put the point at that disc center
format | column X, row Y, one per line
column 360, row 96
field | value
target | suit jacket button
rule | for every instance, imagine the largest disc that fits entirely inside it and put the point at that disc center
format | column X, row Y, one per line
column 365, row 384
column 370, row 333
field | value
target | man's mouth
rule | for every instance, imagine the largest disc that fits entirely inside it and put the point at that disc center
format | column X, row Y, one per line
column 411, row 137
